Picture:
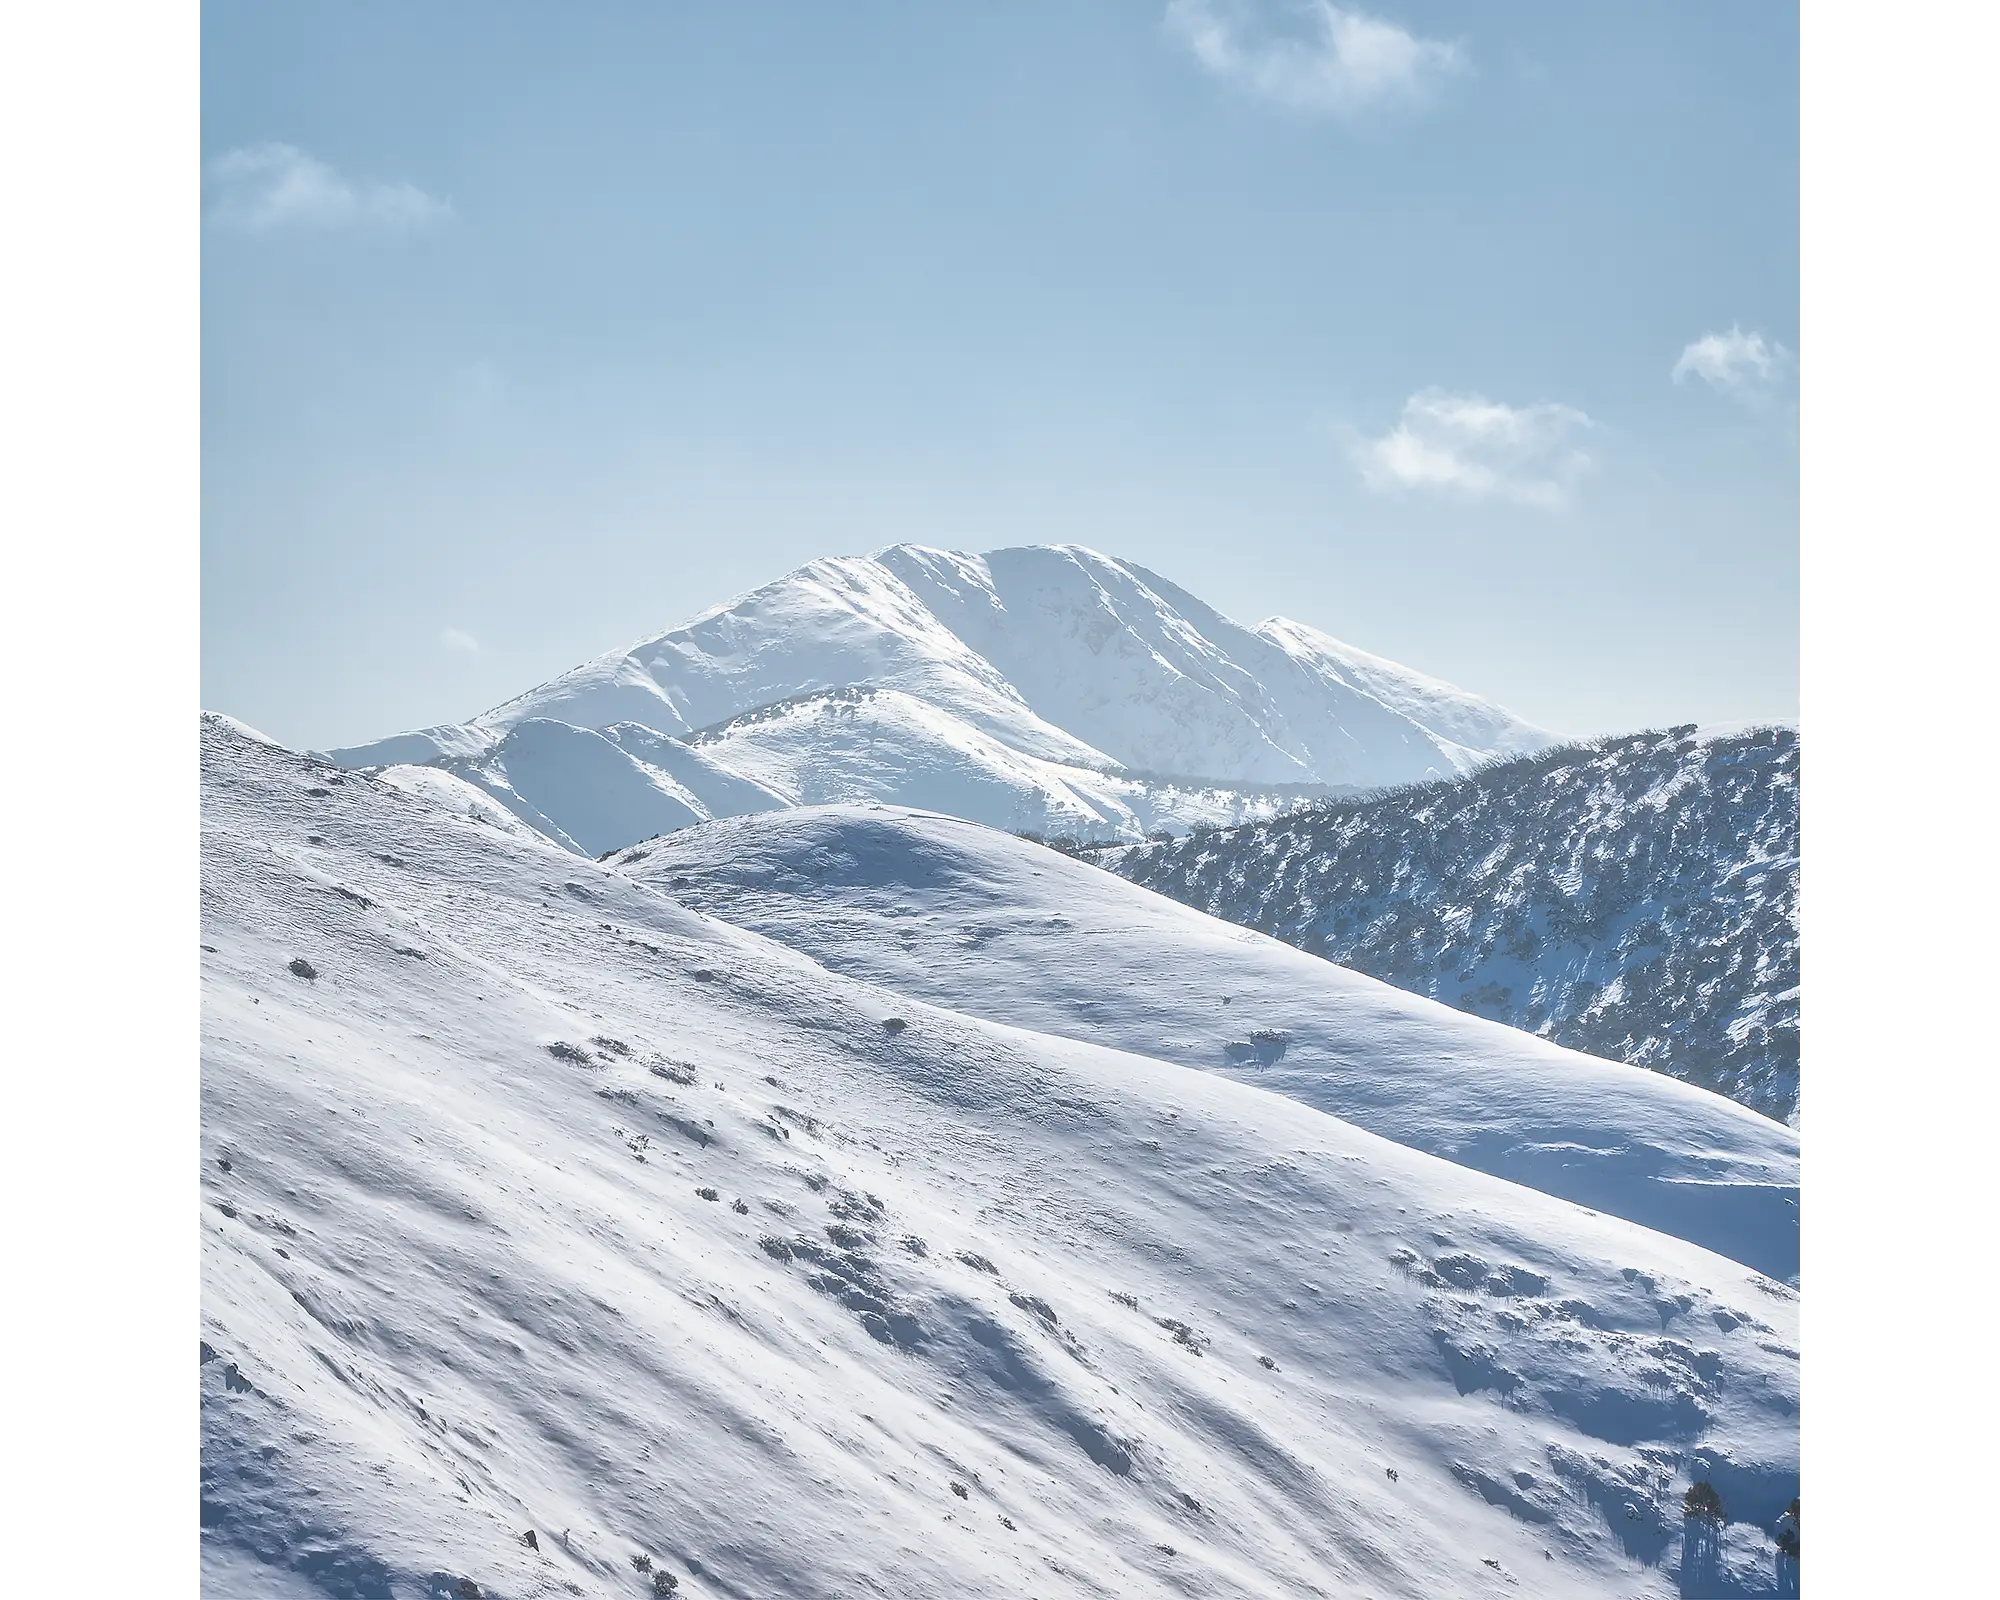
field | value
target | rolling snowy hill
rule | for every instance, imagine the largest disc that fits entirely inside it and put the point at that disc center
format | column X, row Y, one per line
column 557, row 1235
column 1636, row 898
column 1038, row 688
column 986, row 923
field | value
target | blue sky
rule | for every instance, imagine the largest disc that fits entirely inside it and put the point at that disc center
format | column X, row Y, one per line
column 1467, row 333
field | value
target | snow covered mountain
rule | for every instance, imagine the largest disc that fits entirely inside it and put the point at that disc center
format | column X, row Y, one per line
column 1045, row 688
column 561, row 1239
column 1635, row 897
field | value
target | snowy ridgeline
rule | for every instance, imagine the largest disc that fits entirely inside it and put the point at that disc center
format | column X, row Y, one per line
column 536, row 1202
column 1038, row 688
column 1636, row 898
column 597, row 790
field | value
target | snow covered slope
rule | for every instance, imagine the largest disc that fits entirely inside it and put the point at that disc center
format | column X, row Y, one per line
column 1046, row 686
column 537, row 1203
column 1636, row 897
column 990, row 924
column 1162, row 682
column 859, row 744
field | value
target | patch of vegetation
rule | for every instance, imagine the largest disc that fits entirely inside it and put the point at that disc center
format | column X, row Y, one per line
column 1702, row 1503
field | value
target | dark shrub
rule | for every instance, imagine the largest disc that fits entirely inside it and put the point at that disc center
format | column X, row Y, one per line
column 1701, row 1501
column 1788, row 1530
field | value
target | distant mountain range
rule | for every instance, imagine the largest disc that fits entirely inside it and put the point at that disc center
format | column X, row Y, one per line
column 1040, row 688
column 1634, row 898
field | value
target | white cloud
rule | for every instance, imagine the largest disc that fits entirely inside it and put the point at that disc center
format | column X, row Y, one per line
column 1467, row 445
column 1744, row 366
column 269, row 186
column 1311, row 55
column 459, row 639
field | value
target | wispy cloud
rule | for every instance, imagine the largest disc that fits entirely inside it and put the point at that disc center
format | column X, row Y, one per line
column 458, row 639
column 1745, row 366
column 1312, row 55
column 269, row 186
column 1467, row 445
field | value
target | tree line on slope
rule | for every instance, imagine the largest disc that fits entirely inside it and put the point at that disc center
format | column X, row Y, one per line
column 1633, row 897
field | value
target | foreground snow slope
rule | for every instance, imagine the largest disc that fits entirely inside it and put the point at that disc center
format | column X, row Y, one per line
column 535, row 1201
column 1002, row 928
column 1040, row 687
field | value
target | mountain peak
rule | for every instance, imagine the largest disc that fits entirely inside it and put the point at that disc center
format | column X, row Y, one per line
column 1045, row 685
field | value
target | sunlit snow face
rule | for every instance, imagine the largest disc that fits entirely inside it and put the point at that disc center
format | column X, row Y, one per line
column 544, row 1202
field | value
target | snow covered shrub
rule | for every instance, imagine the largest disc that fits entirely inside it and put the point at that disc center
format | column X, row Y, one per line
column 1184, row 1336
column 575, row 1055
column 664, row 1582
column 1788, row 1530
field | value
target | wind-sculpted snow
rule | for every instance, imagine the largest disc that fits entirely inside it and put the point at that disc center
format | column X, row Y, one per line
column 1047, row 687
column 557, row 1236
column 983, row 922
column 1635, row 898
